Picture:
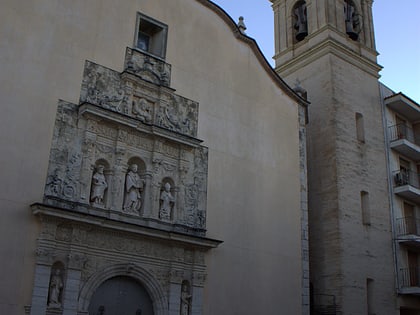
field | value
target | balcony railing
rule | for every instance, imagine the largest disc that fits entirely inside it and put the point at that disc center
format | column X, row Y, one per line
column 402, row 131
column 407, row 226
column 406, row 177
column 410, row 277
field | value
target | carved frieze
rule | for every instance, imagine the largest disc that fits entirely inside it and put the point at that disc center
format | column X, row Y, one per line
column 125, row 121
column 148, row 68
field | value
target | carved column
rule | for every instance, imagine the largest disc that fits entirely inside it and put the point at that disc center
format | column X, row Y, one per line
column 118, row 180
column 88, row 150
column 147, row 195
column 72, row 282
column 197, row 289
column 175, row 281
column 40, row 290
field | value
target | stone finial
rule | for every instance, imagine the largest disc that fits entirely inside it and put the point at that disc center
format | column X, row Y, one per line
column 300, row 90
column 241, row 25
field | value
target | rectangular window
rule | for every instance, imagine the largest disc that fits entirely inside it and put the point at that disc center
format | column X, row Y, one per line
column 151, row 36
column 360, row 128
column 369, row 296
column 364, row 198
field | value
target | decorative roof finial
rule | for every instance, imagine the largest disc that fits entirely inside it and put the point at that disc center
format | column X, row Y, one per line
column 241, row 25
column 300, row 90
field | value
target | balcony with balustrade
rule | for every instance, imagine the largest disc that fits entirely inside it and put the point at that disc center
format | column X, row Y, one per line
column 410, row 280
column 405, row 141
column 408, row 232
column 407, row 185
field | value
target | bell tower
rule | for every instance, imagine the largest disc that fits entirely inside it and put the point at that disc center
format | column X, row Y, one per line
column 328, row 47
column 304, row 25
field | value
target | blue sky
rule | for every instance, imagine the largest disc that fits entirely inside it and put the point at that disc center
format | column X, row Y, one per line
column 397, row 29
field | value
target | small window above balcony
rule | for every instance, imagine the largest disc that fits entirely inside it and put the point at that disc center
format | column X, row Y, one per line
column 151, row 36
column 404, row 106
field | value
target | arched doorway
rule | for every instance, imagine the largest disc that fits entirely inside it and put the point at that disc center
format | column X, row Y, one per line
column 121, row 295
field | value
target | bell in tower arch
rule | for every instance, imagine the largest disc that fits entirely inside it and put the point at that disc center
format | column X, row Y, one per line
column 301, row 21
column 352, row 20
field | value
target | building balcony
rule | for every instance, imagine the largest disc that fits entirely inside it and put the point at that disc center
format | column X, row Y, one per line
column 410, row 280
column 404, row 106
column 408, row 232
column 405, row 141
column 407, row 185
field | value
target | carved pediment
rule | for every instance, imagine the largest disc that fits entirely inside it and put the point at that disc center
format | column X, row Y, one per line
column 128, row 150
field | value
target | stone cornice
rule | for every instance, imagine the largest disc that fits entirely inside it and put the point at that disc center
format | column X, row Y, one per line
column 97, row 111
column 257, row 51
column 43, row 210
column 329, row 46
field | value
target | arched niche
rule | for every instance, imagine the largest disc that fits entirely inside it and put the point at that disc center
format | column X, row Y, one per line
column 300, row 21
column 167, row 199
column 101, row 179
column 142, row 277
column 134, row 184
column 352, row 19
column 56, row 286
column 139, row 162
column 185, row 303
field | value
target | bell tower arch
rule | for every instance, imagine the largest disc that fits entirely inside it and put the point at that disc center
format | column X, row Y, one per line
column 328, row 47
column 300, row 25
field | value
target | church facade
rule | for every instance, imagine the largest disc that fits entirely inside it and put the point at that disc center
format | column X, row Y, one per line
column 153, row 163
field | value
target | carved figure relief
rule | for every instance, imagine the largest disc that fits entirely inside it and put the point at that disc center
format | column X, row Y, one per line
column 142, row 110
column 99, row 186
column 166, row 203
column 185, row 299
column 133, row 188
column 55, row 288
column 80, row 141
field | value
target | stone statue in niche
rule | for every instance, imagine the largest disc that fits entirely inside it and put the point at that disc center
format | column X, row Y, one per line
column 56, row 286
column 352, row 21
column 99, row 185
column 185, row 300
column 167, row 202
column 141, row 110
column 301, row 24
column 133, row 188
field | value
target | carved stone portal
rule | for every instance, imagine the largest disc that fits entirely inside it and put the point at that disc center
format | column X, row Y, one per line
column 111, row 203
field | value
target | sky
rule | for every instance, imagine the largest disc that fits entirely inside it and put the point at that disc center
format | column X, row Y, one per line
column 397, row 33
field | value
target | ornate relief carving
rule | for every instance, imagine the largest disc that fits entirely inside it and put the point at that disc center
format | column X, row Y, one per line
column 117, row 120
column 148, row 68
column 199, row 278
column 63, row 233
column 178, row 115
column 142, row 110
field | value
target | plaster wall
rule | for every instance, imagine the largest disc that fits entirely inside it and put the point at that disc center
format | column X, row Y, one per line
column 249, row 124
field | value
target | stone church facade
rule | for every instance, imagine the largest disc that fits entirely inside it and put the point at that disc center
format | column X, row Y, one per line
column 144, row 170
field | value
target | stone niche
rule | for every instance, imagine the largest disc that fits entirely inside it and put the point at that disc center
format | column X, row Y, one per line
column 125, row 197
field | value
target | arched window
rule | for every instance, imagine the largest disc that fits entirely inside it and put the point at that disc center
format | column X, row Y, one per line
column 300, row 21
column 352, row 20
